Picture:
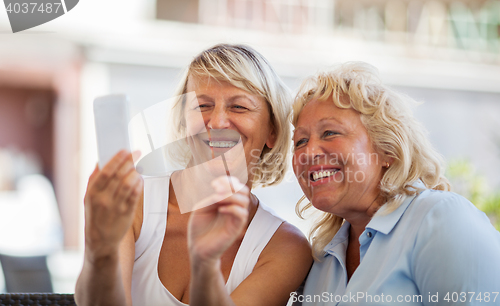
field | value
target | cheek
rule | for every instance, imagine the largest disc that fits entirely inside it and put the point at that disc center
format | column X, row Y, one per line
column 299, row 171
column 370, row 166
column 253, row 125
column 375, row 159
column 195, row 123
column 300, row 159
column 295, row 164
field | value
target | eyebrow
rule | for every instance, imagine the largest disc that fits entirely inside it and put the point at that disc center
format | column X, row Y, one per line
column 319, row 121
column 204, row 97
column 297, row 130
column 233, row 98
column 330, row 118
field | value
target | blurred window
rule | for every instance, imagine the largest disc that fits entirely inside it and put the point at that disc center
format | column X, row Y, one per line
column 174, row 10
column 463, row 24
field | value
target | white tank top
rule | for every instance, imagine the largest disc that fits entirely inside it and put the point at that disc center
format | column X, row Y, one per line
column 147, row 289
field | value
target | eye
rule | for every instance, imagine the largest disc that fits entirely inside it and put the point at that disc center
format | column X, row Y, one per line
column 202, row 107
column 329, row 133
column 300, row 142
column 239, row 108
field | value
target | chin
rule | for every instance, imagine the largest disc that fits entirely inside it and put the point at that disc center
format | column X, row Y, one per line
column 322, row 203
column 213, row 169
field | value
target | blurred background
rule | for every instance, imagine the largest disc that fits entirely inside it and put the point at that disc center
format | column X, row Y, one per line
column 445, row 53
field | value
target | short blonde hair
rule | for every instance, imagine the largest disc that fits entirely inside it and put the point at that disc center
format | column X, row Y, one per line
column 246, row 69
column 390, row 124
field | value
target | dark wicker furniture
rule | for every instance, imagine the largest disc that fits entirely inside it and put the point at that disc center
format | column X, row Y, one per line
column 38, row 299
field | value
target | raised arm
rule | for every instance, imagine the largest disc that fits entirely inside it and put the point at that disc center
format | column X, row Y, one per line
column 113, row 194
column 212, row 230
column 281, row 268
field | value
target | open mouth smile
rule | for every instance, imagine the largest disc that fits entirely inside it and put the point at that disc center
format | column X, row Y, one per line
column 318, row 175
column 221, row 139
column 321, row 174
column 221, row 144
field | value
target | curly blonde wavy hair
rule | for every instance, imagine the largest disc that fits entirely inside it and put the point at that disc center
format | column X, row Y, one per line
column 246, row 69
column 390, row 124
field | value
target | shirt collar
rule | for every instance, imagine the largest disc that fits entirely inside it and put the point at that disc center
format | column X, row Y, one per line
column 385, row 222
column 339, row 242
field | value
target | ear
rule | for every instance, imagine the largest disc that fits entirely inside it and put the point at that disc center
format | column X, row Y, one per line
column 388, row 160
column 271, row 138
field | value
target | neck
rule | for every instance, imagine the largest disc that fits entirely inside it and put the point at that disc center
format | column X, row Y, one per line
column 252, row 208
column 172, row 199
column 359, row 220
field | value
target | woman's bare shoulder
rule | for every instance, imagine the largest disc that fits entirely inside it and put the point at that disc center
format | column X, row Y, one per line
column 281, row 268
column 288, row 244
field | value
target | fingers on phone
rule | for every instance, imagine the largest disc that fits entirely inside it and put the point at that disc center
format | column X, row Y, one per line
column 225, row 183
column 136, row 154
column 235, row 182
column 238, row 212
column 110, row 169
column 237, row 199
column 125, row 169
column 93, row 177
column 241, row 200
column 95, row 172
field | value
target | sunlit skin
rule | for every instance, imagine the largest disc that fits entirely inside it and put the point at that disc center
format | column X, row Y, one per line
column 328, row 137
column 199, row 247
column 226, row 107
column 216, row 233
column 222, row 107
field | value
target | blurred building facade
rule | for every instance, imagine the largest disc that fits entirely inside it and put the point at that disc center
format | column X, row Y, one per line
column 464, row 24
column 446, row 53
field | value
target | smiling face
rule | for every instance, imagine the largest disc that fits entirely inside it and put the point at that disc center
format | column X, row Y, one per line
column 334, row 160
column 223, row 117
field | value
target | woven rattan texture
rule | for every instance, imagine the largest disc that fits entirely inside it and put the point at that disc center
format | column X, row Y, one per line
column 38, row 299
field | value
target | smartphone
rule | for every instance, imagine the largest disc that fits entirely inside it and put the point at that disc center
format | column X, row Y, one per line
column 111, row 114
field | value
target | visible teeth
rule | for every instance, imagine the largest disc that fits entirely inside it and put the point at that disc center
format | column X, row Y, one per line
column 222, row 144
column 322, row 174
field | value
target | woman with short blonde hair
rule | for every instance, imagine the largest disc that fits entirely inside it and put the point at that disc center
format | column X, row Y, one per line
column 248, row 70
column 141, row 248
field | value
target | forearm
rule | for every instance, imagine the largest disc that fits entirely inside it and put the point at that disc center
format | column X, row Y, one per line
column 100, row 282
column 208, row 286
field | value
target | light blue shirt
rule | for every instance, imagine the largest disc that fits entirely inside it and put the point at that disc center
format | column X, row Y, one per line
column 437, row 248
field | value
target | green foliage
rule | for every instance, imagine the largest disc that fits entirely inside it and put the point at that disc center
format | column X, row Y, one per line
column 468, row 183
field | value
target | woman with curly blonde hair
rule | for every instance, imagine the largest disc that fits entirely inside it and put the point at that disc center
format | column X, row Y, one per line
column 390, row 230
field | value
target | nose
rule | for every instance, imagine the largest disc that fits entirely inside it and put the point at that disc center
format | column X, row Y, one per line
column 312, row 152
column 219, row 118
